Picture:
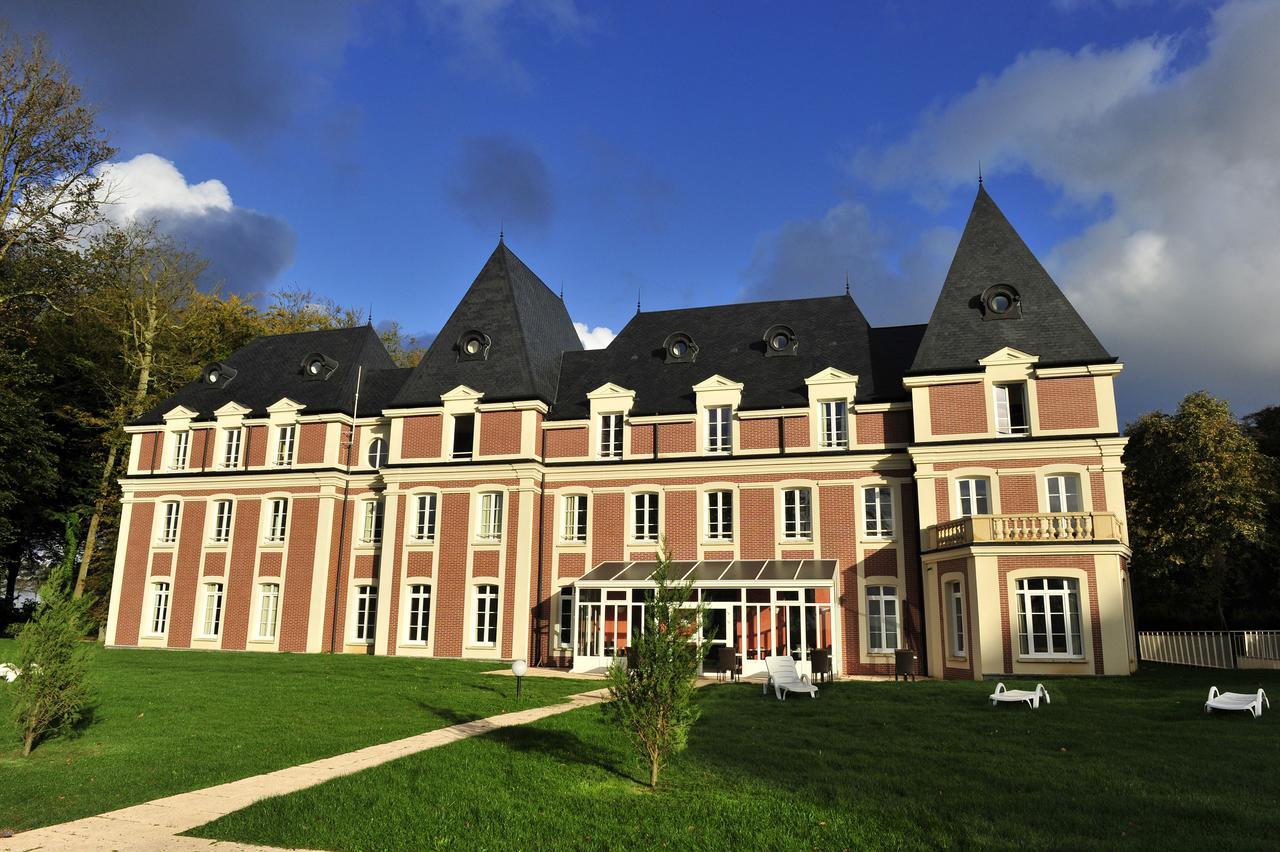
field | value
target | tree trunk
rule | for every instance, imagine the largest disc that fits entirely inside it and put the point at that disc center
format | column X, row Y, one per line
column 653, row 772
column 28, row 742
column 12, row 562
column 99, row 504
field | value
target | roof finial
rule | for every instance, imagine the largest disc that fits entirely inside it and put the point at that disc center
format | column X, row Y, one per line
column 637, row 300
column 846, row 282
column 979, row 173
column 501, row 230
column 371, row 315
column 562, row 290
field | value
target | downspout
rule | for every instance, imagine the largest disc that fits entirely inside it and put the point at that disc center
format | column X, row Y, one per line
column 342, row 523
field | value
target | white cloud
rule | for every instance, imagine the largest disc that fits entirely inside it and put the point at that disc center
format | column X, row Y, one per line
column 1179, row 155
column 246, row 249
column 594, row 338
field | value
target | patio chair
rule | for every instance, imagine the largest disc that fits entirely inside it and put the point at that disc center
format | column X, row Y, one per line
column 1252, row 702
column 9, row 673
column 784, row 678
column 1032, row 697
column 820, row 663
column 727, row 662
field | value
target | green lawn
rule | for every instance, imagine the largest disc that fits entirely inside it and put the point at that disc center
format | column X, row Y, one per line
column 170, row 721
column 889, row 765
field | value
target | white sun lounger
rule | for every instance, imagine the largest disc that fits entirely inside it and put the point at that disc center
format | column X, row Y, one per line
column 1031, row 697
column 1250, row 701
column 8, row 672
column 784, row 678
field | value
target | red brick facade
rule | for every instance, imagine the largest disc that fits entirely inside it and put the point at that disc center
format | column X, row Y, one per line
column 958, row 409
column 1067, row 403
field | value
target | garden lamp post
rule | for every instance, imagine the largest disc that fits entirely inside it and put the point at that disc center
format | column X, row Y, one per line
column 518, row 668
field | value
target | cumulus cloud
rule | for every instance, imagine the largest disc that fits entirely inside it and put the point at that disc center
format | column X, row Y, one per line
column 810, row 257
column 480, row 32
column 500, row 179
column 246, row 249
column 594, row 338
column 1177, row 158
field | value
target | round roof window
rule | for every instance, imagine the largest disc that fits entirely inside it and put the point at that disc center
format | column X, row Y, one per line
column 472, row 346
column 1001, row 302
column 214, row 375
column 315, row 367
column 679, row 349
column 780, row 341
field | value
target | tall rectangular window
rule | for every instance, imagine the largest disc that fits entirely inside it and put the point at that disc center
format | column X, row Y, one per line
column 268, row 610
column 159, row 608
column 424, row 517
column 169, row 525
column 464, row 433
column 366, row 612
column 575, row 518
column 486, row 624
column 490, row 522
column 231, row 439
column 955, row 614
column 719, row 429
column 645, row 516
column 1049, row 617
column 1011, row 409
column 372, row 529
column 611, row 436
column 797, row 515
column 221, row 521
column 279, row 520
column 181, row 449
column 564, row 619
column 877, row 507
column 1064, row 493
column 719, row 515
column 285, row 440
column 419, row 614
column 974, row 496
column 212, row 610
column 835, row 423
column 882, row 618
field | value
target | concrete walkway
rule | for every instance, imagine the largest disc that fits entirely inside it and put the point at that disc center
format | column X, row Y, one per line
column 155, row 825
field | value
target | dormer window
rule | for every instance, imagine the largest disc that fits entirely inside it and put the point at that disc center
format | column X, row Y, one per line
column 318, row 367
column 464, row 431
column 218, row 375
column 285, row 439
column 780, row 340
column 719, row 429
column 474, row 346
column 181, row 449
column 1000, row 301
column 680, row 349
column 611, row 436
column 377, row 452
column 1011, row 409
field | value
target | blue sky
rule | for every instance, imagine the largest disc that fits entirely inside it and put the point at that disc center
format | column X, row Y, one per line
column 704, row 153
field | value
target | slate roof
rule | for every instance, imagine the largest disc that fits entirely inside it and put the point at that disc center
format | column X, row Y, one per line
column 270, row 368
column 831, row 331
column 530, row 329
column 991, row 252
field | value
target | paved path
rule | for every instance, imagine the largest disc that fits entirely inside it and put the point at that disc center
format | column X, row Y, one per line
column 155, row 825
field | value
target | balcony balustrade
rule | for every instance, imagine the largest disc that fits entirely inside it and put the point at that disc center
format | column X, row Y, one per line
column 1068, row 526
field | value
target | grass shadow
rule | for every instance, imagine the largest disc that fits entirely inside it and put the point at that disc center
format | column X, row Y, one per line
column 564, row 747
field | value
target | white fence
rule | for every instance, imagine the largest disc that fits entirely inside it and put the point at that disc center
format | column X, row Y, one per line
column 1215, row 649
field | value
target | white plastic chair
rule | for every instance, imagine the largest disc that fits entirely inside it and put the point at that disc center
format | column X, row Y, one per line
column 784, row 678
column 1252, row 702
column 8, row 672
column 1032, row 697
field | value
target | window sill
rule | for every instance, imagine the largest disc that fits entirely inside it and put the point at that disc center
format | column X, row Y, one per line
column 492, row 647
column 577, row 545
column 716, row 542
column 273, row 545
column 803, row 541
column 261, row 641
column 421, row 542
column 164, row 545
column 879, row 539
column 217, row 545
column 1050, row 658
column 206, row 638
column 487, row 542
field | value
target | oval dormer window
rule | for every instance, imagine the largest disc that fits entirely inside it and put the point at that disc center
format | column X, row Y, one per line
column 474, row 346
column 218, row 375
column 679, row 348
column 317, row 366
column 1001, row 301
column 780, row 340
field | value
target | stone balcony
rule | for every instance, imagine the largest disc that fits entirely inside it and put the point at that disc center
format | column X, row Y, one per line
column 981, row 529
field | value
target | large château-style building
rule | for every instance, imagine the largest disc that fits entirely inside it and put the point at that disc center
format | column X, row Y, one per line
column 954, row 487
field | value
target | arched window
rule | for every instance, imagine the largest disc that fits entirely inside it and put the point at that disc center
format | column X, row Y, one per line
column 377, row 452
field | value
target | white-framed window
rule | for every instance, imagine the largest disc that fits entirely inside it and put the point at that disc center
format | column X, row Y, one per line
column 231, row 439
column 974, row 495
column 955, row 615
column 212, row 625
column 377, row 452
column 1064, row 492
column 278, row 520
column 564, row 619
column 611, row 436
column 797, row 514
column 489, row 527
column 424, row 517
column 835, row 423
column 882, row 618
column 1011, row 409
column 221, row 522
column 181, row 449
column 1049, row 617
column 720, row 429
column 419, row 614
column 644, row 516
column 159, row 608
column 286, row 438
column 268, row 610
column 877, row 511
column 366, row 613
column 170, row 512
column 719, row 515
column 486, row 615
column 464, row 436
column 575, row 518
column 371, row 530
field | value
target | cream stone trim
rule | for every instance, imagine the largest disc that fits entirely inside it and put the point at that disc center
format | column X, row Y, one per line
column 523, row 603
column 284, row 410
column 735, row 466
column 916, row 382
column 659, row 419
column 530, row 439
column 549, row 425
column 880, row 407
column 1008, row 355
column 1080, row 370
column 399, row 413
column 734, row 543
column 831, row 385
column 117, row 577
column 629, row 514
column 321, row 579
column 763, row 413
column 231, row 413
column 179, row 417
column 461, row 400
column 717, row 392
column 517, row 405
column 1110, row 449
column 609, row 398
column 780, row 542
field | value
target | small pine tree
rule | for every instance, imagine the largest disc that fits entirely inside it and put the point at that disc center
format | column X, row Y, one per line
column 51, row 691
column 653, row 702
